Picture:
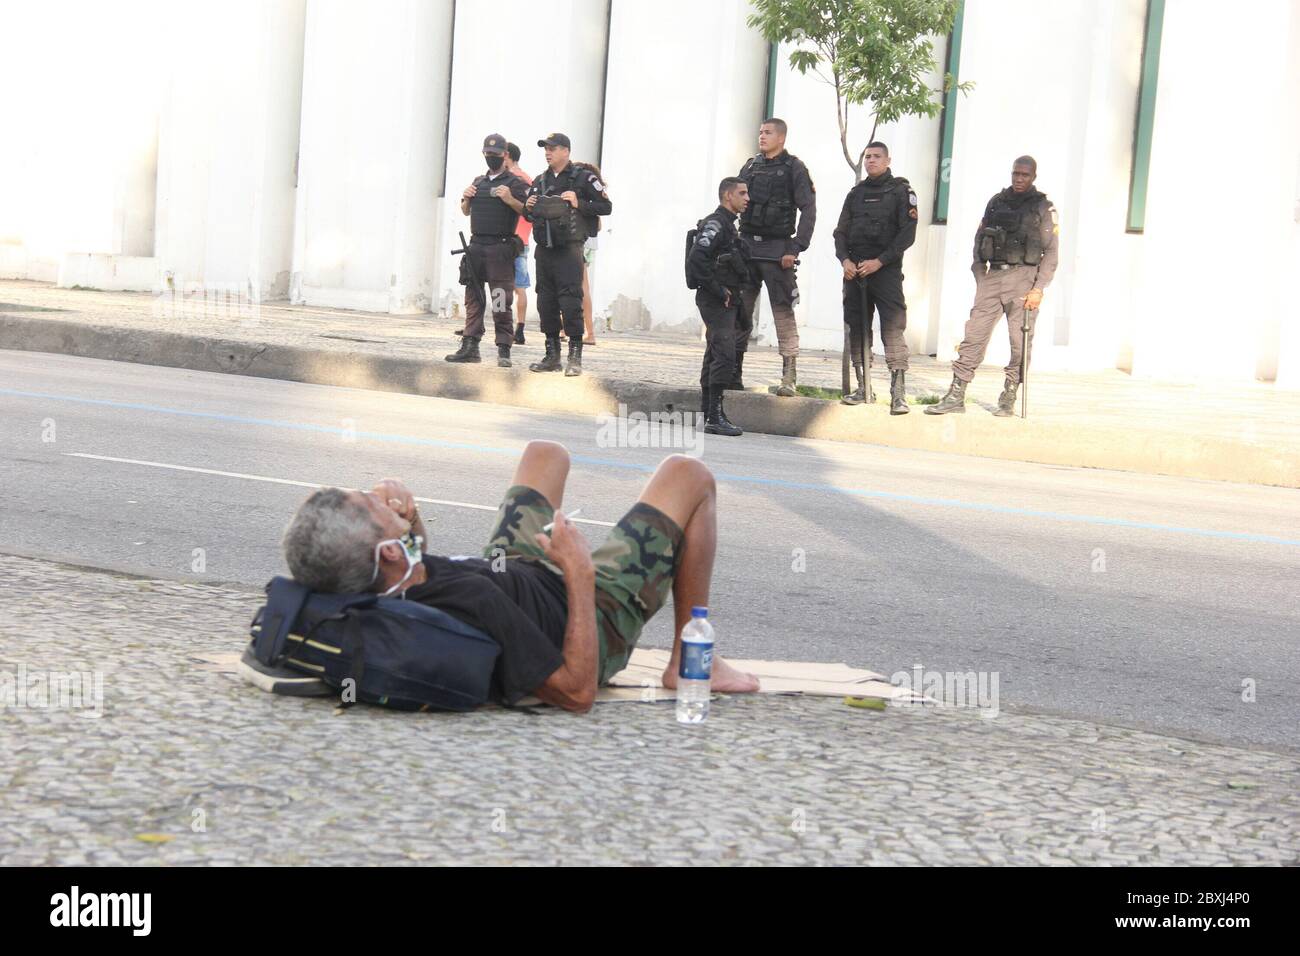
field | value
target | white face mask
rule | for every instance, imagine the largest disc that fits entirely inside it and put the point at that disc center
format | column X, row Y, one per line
column 412, row 547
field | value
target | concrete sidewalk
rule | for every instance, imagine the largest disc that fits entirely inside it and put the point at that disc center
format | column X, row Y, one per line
column 1231, row 432
column 186, row 766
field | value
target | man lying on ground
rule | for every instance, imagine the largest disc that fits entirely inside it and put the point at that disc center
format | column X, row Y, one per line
column 566, row 619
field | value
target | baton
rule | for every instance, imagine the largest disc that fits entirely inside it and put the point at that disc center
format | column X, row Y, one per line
column 1024, row 360
column 867, row 395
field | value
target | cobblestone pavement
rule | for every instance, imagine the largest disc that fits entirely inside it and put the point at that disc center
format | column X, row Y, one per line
column 188, row 765
column 1254, row 413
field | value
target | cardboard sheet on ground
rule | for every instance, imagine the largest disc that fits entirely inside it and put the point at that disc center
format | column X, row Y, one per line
column 647, row 665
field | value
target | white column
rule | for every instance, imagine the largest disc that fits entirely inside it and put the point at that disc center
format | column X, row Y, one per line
column 374, row 114
column 80, row 85
column 669, row 142
column 229, row 135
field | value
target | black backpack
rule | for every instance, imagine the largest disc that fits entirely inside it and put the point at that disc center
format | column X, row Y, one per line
column 398, row 653
column 690, row 244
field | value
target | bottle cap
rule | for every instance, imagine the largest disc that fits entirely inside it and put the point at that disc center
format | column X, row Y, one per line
column 698, row 611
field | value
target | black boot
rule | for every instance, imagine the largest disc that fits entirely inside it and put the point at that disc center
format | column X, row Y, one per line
column 954, row 401
column 575, row 357
column 468, row 351
column 789, row 374
column 503, row 357
column 897, row 392
column 860, row 395
column 1007, row 400
column 519, row 333
column 715, row 420
column 551, row 363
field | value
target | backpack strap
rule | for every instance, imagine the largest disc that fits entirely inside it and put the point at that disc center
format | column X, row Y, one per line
column 284, row 600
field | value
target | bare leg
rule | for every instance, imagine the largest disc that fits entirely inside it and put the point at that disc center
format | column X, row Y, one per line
column 521, row 305
column 544, row 466
column 590, row 338
column 683, row 488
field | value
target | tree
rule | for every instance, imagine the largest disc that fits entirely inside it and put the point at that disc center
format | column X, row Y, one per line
column 870, row 51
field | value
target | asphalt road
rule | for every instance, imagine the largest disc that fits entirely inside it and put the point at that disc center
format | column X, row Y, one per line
column 1136, row 600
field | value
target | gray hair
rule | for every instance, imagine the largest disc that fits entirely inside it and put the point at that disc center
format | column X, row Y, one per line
column 330, row 544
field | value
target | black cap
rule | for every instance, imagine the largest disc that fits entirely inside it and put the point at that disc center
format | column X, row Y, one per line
column 496, row 143
column 555, row 139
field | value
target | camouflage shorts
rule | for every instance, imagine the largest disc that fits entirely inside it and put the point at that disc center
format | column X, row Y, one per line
column 634, row 567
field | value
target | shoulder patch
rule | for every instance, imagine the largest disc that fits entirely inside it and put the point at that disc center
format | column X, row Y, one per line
column 911, row 198
column 911, row 212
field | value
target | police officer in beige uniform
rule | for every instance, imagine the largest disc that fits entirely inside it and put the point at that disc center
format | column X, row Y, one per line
column 779, row 187
column 1015, row 259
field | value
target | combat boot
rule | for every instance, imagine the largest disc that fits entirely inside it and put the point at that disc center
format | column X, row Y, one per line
column 468, row 351
column 1007, row 400
column 897, row 392
column 788, row 375
column 503, row 357
column 954, row 401
column 715, row 420
column 551, row 363
column 575, row 358
column 519, row 334
column 858, row 396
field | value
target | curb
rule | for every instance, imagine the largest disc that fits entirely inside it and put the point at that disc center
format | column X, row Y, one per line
column 1012, row 439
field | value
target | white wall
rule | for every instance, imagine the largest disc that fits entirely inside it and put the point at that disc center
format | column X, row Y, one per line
column 1219, row 264
column 669, row 142
column 89, row 184
column 228, row 143
column 1067, row 97
column 374, row 114
column 496, row 89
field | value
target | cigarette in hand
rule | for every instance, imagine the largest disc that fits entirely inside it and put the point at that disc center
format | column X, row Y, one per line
column 571, row 515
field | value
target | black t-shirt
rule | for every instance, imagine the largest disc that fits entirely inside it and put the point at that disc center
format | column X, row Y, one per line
column 522, row 607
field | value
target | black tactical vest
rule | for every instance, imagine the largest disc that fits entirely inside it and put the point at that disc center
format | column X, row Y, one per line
column 875, row 212
column 1013, row 229
column 771, row 210
column 554, row 220
column 489, row 217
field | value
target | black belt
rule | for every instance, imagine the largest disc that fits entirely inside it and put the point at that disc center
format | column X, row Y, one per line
column 751, row 236
column 490, row 239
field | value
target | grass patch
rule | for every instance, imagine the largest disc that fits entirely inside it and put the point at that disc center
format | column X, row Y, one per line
column 834, row 395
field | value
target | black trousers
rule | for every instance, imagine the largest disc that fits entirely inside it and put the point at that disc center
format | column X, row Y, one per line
column 719, row 368
column 559, row 289
column 493, row 263
column 882, row 292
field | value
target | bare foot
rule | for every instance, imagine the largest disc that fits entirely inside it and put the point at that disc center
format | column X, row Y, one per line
column 725, row 679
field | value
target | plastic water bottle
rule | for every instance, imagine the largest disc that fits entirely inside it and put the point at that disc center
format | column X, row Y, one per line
column 696, row 668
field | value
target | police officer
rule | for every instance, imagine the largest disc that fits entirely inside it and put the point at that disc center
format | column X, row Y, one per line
column 564, row 204
column 779, row 185
column 717, row 270
column 877, row 225
column 493, row 203
column 1015, row 259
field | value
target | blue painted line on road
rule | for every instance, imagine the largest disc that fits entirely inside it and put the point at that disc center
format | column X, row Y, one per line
column 721, row 476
